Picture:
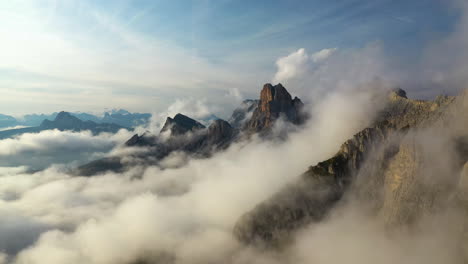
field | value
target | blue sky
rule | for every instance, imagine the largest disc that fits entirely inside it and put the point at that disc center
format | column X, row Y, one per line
column 83, row 55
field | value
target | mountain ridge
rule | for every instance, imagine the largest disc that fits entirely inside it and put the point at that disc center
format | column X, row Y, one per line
column 369, row 164
column 64, row 121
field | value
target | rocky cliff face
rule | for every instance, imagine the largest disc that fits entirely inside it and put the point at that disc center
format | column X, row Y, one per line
column 405, row 165
column 275, row 101
column 243, row 113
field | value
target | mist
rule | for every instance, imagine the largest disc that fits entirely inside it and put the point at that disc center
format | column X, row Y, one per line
column 184, row 210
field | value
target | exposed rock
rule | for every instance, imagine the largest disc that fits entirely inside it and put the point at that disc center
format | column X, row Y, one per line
column 189, row 136
column 393, row 176
column 243, row 113
column 200, row 143
column 113, row 164
column 181, row 124
column 311, row 197
column 220, row 131
column 275, row 101
column 403, row 112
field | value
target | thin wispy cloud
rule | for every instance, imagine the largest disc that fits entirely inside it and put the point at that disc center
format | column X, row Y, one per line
column 168, row 50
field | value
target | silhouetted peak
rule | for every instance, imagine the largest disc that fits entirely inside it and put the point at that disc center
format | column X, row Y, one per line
column 181, row 124
column 64, row 116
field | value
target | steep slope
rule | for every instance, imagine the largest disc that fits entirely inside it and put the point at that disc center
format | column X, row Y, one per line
column 275, row 102
column 243, row 113
column 379, row 163
column 180, row 125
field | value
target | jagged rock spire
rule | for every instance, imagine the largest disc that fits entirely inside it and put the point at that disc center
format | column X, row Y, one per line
column 274, row 102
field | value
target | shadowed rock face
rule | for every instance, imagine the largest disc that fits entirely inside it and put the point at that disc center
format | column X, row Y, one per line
column 220, row 131
column 243, row 113
column 384, row 164
column 311, row 197
column 181, row 124
column 275, row 101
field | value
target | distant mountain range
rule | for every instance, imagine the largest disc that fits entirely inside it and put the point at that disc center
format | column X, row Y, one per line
column 182, row 133
column 120, row 117
column 64, row 121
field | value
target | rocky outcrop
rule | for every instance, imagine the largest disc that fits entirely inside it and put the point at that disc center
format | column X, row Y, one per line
column 275, row 101
column 392, row 166
column 309, row 199
column 187, row 135
column 243, row 113
column 220, row 133
column 403, row 112
column 181, row 124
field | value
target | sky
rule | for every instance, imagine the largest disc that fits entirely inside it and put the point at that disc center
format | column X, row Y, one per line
column 83, row 55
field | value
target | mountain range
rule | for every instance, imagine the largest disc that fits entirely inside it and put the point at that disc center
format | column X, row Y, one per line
column 411, row 161
column 64, row 121
column 120, row 117
column 182, row 133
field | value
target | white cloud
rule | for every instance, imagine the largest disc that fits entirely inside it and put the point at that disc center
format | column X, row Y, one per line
column 298, row 63
column 185, row 209
column 39, row 150
column 322, row 55
column 235, row 93
column 291, row 66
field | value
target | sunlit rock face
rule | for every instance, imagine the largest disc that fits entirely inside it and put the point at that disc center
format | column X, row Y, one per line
column 275, row 101
column 407, row 164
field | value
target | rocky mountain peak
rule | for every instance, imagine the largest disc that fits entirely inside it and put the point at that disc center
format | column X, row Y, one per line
column 274, row 102
column 62, row 116
column 181, row 124
column 63, row 120
column 243, row 112
column 274, row 96
column 220, row 129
